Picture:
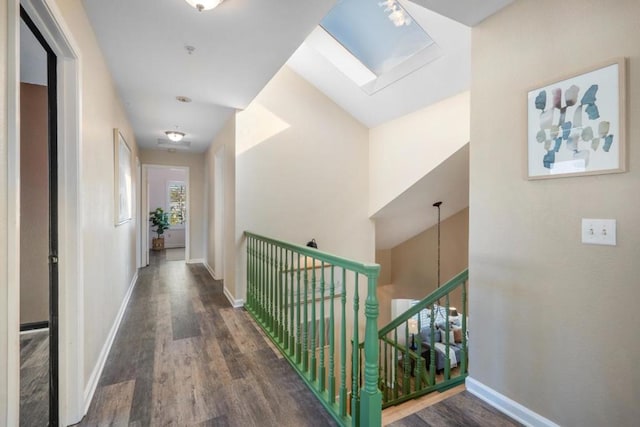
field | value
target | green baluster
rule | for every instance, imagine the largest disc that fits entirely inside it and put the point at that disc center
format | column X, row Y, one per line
column 396, row 362
column 385, row 372
column 305, row 330
column 419, row 362
column 298, row 324
column 314, row 344
column 274, row 289
column 285, row 295
column 370, row 399
column 321, row 375
column 343, row 347
column 432, row 343
column 463, row 350
column 355, row 366
column 447, row 359
column 280, row 299
column 406, row 383
column 292, row 341
column 332, row 319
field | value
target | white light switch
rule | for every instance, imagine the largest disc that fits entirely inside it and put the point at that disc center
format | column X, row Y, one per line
column 599, row 231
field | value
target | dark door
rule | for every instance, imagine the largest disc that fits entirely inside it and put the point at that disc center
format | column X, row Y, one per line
column 52, row 155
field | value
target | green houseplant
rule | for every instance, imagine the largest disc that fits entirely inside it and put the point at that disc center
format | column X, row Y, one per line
column 160, row 220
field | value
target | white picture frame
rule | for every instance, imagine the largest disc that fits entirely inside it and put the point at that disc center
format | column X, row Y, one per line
column 576, row 125
column 123, row 183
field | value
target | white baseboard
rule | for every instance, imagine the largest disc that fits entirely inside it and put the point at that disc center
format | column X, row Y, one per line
column 235, row 303
column 90, row 389
column 211, row 272
column 195, row 261
column 508, row 406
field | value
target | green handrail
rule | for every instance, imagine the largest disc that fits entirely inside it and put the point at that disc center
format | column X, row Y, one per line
column 404, row 373
column 290, row 290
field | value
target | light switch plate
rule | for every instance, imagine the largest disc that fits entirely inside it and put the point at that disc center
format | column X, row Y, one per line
column 599, row 231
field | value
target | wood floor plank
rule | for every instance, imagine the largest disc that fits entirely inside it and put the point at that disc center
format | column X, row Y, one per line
column 34, row 378
column 112, row 404
column 189, row 359
column 462, row 409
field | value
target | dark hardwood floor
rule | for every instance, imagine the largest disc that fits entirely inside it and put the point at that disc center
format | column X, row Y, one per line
column 34, row 378
column 184, row 357
column 462, row 409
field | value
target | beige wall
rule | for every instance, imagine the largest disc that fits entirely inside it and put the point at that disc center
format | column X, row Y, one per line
column 34, row 204
column 383, row 258
column 404, row 150
column 108, row 251
column 224, row 144
column 309, row 180
column 414, row 263
column 8, row 380
column 553, row 322
column 195, row 163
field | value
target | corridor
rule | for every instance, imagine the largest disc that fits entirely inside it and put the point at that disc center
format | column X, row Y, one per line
column 184, row 357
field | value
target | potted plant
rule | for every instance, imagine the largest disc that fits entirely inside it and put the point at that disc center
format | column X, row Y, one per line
column 160, row 220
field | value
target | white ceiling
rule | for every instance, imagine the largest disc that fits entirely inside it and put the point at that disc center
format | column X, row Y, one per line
column 241, row 44
column 446, row 76
column 239, row 47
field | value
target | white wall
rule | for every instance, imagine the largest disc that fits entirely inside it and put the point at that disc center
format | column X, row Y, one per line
column 158, row 180
column 108, row 257
column 225, row 146
column 9, row 314
column 405, row 149
column 195, row 163
column 308, row 180
column 108, row 250
column 554, row 324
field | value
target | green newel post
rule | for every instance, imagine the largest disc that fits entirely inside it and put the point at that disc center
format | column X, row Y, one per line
column 370, row 396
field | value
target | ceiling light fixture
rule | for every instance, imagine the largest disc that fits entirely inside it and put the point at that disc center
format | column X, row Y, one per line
column 174, row 135
column 204, row 4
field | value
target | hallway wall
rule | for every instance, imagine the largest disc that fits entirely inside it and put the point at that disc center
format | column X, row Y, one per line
column 404, row 150
column 303, row 173
column 9, row 318
column 108, row 251
column 226, row 141
column 553, row 323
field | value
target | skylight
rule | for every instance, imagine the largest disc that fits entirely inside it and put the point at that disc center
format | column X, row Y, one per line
column 382, row 36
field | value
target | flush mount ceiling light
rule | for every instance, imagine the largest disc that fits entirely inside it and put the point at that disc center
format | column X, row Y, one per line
column 174, row 135
column 204, row 4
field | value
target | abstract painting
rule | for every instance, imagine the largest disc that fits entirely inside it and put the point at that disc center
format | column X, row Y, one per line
column 576, row 126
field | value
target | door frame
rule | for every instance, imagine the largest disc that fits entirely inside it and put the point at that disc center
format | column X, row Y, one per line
column 48, row 19
column 147, row 209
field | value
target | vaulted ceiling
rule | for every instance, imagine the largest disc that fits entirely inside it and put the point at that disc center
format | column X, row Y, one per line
column 238, row 48
column 158, row 50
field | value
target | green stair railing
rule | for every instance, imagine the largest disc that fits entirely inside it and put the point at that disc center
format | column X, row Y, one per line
column 417, row 355
column 308, row 303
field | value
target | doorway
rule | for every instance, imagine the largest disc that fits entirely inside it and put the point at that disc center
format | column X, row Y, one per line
column 39, row 397
column 167, row 188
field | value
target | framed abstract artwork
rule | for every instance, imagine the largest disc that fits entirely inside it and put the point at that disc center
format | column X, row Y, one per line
column 122, row 178
column 576, row 126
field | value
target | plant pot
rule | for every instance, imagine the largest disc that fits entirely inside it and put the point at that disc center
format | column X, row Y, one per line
column 157, row 244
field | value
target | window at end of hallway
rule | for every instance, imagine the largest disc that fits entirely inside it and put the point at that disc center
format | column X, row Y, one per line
column 177, row 202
